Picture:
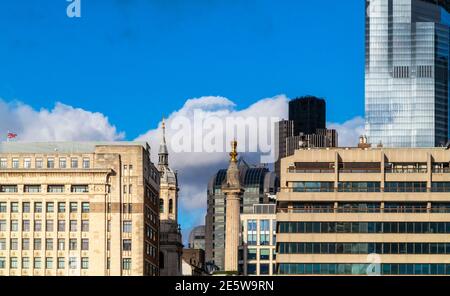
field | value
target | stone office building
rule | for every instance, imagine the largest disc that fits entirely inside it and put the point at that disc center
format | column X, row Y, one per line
column 338, row 206
column 78, row 209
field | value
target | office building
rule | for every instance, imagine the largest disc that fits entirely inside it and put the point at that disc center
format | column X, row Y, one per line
column 359, row 211
column 306, row 127
column 197, row 238
column 258, row 183
column 407, row 72
column 170, row 242
column 88, row 209
column 257, row 254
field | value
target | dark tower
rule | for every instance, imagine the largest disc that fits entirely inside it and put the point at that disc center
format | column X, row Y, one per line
column 308, row 114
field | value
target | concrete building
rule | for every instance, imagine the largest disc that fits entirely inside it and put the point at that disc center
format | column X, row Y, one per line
column 197, row 238
column 338, row 206
column 171, row 244
column 257, row 254
column 259, row 185
column 78, row 209
column 194, row 262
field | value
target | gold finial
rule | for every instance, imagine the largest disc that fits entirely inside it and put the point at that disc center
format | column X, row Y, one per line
column 233, row 152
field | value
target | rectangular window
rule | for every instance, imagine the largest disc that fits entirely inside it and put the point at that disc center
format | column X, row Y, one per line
column 15, row 163
column 27, row 163
column 49, row 244
column 38, row 207
column 61, row 225
column 49, row 226
column 126, row 264
column 73, row 226
column 74, row 163
column 73, row 207
column 13, row 263
column 84, row 225
column 49, row 263
column 85, row 207
column 61, row 262
column 2, row 262
column 8, row 188
column 55, row 188
column 37, row 244
column 50, row 207
column 38, row 163
column 14, row 225
column 86, row 163
column 14, row 244
column 2, row 244
column 61, row 207
column 62, row 163
column 26, row 225
column 84, row 244
column 3, row 225
column 72, row 262
column 251, row 254
column 32, row 188
column 80, row 189
column 126, row 245
column 3, row 163
column 84, row 263
column 264, row 254
column 14, row 207
column 127, row 228
column 26, row 207
column 37, row 263
column 37, row 225
column 61, row 244
column 72, row 244
column 3, row 207
column 50, row 163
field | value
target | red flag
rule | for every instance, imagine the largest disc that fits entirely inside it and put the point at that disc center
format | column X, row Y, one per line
column 12, row 135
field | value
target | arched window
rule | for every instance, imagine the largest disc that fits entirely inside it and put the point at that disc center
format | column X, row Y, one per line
column 170, row 206
column 161, row 205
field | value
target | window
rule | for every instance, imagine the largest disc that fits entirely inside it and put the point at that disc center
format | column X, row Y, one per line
column 14, row 225
column 38, row 207
column 38, row 163
column 27, row 163
column 32, row 188
column 130, row 189
column 264, row 238
column 2, row 244
column 61, row 262
column 84, row 263
column 49, row 263
column 161, row 205
column 72, row 244
column 405, row 187
column 84, row 244
column 37, row 263
column 251, row 233
column 37, row 244
column 26, row 225
column 264, row 269
column 359, row 187
column 264, row 254
column 251, row 269
column 15, row 163
column 313, row 186
column 14, row 244
column 49, row 244
column 62, row 163
column 3, row 163
column 2, row 262
column 73, row 207
column 73, row 226
column 3, row 207
column 79, row 189
column 49, row 226
column 26, row 207
column 55, row 188
column 61, row 225
column 61, row 244
column 86, row 163
column 50, row 163
column 61, row 207
column 14, row 207
column 73, row 263
column 251, row 254
column 127, row 245
column 84, row 225
column 50, row 207
column 8, row 188
column 127, row 226
column 74, row 163
column 126, row 264
column 37, row 225
column 13, row 263
column 85, row 207
column 2, row 225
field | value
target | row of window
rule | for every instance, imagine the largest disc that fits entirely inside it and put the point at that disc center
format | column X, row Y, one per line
column 36, row 244
column 363, row 207
column 362, row 269
column 264, row 254
column 50, row 188
column 37, row 263
column 38, row 225
column 370, row 187
column 50, row 163
column 364, row 227
column 38, row 207
column 364, row 248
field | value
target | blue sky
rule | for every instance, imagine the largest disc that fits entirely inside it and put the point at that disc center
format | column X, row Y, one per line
column 137, row 60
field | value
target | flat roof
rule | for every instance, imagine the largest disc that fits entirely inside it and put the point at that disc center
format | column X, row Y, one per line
column 60, row 147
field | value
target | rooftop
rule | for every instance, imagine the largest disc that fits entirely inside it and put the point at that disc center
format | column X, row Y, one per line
column 60, row 147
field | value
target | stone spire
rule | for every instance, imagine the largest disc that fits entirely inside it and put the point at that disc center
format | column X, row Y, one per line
column 233, row 192
column 163, row 151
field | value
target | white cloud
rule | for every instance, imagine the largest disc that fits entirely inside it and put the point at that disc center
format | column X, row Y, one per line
column 62, row 123
column 349, row 131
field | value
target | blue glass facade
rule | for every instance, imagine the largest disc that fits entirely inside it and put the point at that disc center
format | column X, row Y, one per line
column 407, row 72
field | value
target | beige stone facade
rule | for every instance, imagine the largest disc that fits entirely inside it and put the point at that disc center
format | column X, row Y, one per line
column 364, row 211
column 78, row 209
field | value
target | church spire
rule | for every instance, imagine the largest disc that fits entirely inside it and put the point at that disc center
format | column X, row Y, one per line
column 163, row 151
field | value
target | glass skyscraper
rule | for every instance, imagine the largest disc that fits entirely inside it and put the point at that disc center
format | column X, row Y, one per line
column 407, row 72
